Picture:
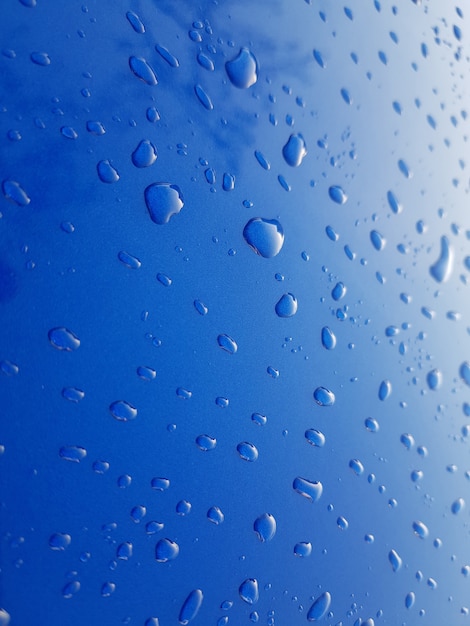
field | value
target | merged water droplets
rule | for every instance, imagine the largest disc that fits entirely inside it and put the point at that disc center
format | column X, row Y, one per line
column 243, row 69
column 264, row 236
column 294, row 150
column 441, row 270
column 63, row 339
column 163, row 200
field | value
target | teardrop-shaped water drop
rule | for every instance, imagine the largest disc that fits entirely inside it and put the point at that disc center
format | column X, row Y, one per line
column 295, row 150
column 442, row 268
column 243, row 69
column 14, row 192
column 145, row 154
column 286, row 306
column 107, row 172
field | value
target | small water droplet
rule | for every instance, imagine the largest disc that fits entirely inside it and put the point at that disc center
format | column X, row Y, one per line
column 166, row 550
column 164, row 280
column 319, row 59
column 163, row 200
column 70, row 589
column 394, row 202
column 286, row 305
column 135, row 22
column 59, row 541
column 404, row 169
column 407, row 440
column 312, row 490
column 265, row 527
column 227, row 343
column 75, row 454
column 249, row 591
column 107, row 589
column 262, row 160
column 123, row 411
column 143, row 70
column 371, row 424
column 183, row 507
column 395, row 560
column 378, row 240
column 9, row 368
column 63, row 339
column 385, row 389
column 331, row 233
column 95, row 128
column 167, row 56
column 215, row 515
column 442, row 268
column 152, row 115
column 14, row 192
column 323, row 396
column 409, row 600
column 264, row 236
column 106, row 172
column 228, row 182
column 200, row 307
column 206, row 442
column 294, row 150
column 40, row 58
column 342, row 523
column 315, row 437
column 205, row 62
column 183, row 393
column 464, row 372
column 203, row 97
column 160, row 483
column 145, row 154
column 191, row 606
column 434, row 379
column 243, row 69
column 247, row 451
column 337, row 194
column 320, row 607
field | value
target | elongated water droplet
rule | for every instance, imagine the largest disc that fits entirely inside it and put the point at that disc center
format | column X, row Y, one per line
column 317, row 55
column 265, row 527
column 312, row 490
column 405, row 169
column 248, row 591
column 167, row 56
column 73, row 394
column 434, row 379
column 135, row 22
column 163, row 200
column 107, row 172
column 394, row 202
column 385, row 389
column 378, row 240
column 206, row 442
column 63, row 339
column 228, row 182
column 320, row 607
column 191, row 606
column 356, row 466
column 420, row 530
column 129, row 260
column 95, row 128
column 243, row 69
column 145, row 154
column 200, row 307
column 203, row 97
column 40, row 58
column 14, row 192
column 337, row 194
column 205, row 62
column 328, row 338
column 72, row 453
column 247, row 451
column 264, row 236
column 338, row 291
column 371, row 424
column 59, row 541
column 407, row 440
column 262, row 160
column 295, row 150
column 227, row 343
column 215, row 515
column 123, row 411
column 315, row 437
column 442, row 268
column 166, row 550
column 409, row 600
column 323, row 396
column 395, row 560
column 464, row 372
column 286, row 305
column 457, row 506
column 143, row 70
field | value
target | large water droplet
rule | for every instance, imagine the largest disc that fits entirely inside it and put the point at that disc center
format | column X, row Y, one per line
column 378, row 240
column 124, row 551
column 63, row 339
column 434, row 379
column 75, row 454
column 227, row 343
column 420, row 530
column 163, row 200
column 385, row 389
column 323, row 396
column 311, row 490
column 59, row 541
column 143, row 70
column 409, row 600
column 243, row 69
column 106, row 172
column 166, row 550
column 145, row 154
column 286, row 305
column 457, row 506
column 303, row 549
column 442, row 268
column 337, row 194
column 123, row 411
column 248, row 591
column 295, row 150
column 135, row 22
column 320, row 607
column 14, row 192
column 265, row 237
column 215, row 515
column 315, row 437
column 328, row 338
column 464, row 372
column 395, row 560
column 247, row 451
column 265, row 527
column 191, row 606
column 338, row 291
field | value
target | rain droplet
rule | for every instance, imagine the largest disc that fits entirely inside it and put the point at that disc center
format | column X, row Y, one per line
column 124, row 551
column 434, row 379
column 71, row 589
column 145, row 154
column 248, row 591
column 123, row 411
column 200, row 307
column 409, row 600
column 442, row 268
column 319, row 59
column 265, row 527
column 338, row 291
column 356, row 466
column 265, row 237
column 295, row 150
column 166, row 550
column 59, row 541
column 167, row 56
column 143, row 70
column 385, row 389
column 323, row 396
column 243, row 69
column 228, row 182
column 40, row 58
column 73, row 394
column 75, row 454
column 286, row 305
column 404, row 169
column 163, row 200
column 129, row 260
column 371, row 424
column 203, row 97
column 206, row 442
column 14, row 192
column 312, row 490
column 328, row 338
column 191, row 606
column 457, row 506
column 106, row 172
column 262, row 160
column 378, row 240
column 320, row 607
column 303, row 549
column 247, row 451
column 394, row 202
column 215, row 515
column 395, row 560
column 63, row 339
column 135, row 22
column 315, row 437
column 337, row 194
column 464, row 372
column 420, row 530
column 227, row 343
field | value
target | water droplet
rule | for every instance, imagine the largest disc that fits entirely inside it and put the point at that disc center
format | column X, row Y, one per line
column 420, row 530
column 342, row 523
column 106, row 172
column 63, row 339
column 70, row 589
column 183, row 393
column 124, row 481
column 166, row 550
column 248, row 591
column 143, row 70
column 215, row 515
column 206, row 442
column 122, row 411
column 395, row 560
column 320, row 607
column 72, row 453
column 262, row 160
column 163, row 200
column 59, row 541
column 167, row 56
column 434, row 379
column 356, row 466
column 457, row 506
column 228, row 182
column 95, row 128
column 145, row 154
column 146, row 373
column 227, row 343
column 152, row 115
column 107, row 589
column 404, row 169
column 73, row 394
column 40, row 58
column 315, row 437
column 464, row 372
column 191, row 606
column 164, row 280
column 69, row 132
column 159, row 483
column 205, row 61
column 243, row 69
column 378, row 240
column 319, row 59
column 14, row 192
column 323, row 396
column 337, row 194
column 371, row 424
column 129, row 260
column 203, row 97
column 124, row 551
column 385, row 389
column 328, row 338
column 4, row 617
column 183, row 507
column 331, row 233
column 247, row 451
column 200, row 307
column 442, row 268
column 295, row 150
column 265, row 527
column 338, row 291
column 409, row 600
column 259, row 419
column 135, row 22
column 407, row 440
column 312, row 490
column 303, row 549
column 265, row 237
column 9, row 368
column 394, row 202
column 286, row 305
